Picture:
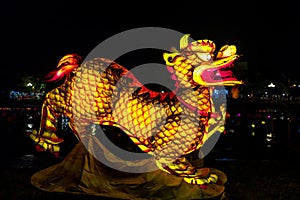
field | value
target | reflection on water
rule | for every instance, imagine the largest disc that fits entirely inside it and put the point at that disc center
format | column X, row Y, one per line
column 250, row 133
column 260, row 131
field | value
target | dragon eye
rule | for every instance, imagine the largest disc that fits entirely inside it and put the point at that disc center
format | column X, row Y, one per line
column 208, row 57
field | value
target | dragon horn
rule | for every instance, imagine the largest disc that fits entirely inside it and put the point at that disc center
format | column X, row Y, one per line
column 184, row 41
column 70, row 59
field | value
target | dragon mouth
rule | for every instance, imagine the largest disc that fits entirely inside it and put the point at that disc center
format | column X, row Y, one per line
column 219, row 72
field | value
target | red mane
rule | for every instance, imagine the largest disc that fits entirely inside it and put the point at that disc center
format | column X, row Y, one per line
column 65, row 66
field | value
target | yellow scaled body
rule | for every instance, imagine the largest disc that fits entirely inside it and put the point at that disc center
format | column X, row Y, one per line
column 167, row 125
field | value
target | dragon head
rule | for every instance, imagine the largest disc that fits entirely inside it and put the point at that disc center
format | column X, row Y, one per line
column 196, row 63
column 65, row 66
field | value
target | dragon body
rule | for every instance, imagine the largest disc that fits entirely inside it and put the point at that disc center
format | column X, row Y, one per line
column 168, row 125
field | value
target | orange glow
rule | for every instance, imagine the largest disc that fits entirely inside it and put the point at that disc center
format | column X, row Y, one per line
column 166, row 125
column 235, row 92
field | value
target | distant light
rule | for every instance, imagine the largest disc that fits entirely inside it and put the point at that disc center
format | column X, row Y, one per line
column 281, row 117
column 29, row 84
column 271, row 85
column 263, row 122
column 269, row 135
column 253, row 125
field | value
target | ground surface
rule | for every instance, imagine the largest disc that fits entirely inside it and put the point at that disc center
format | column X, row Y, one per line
column 274, row 178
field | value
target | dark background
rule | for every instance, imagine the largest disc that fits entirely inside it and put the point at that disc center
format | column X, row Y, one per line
column 35, row 35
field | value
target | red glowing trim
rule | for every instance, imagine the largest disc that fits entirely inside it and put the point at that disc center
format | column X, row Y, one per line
column 65, row 66
column 53, row 76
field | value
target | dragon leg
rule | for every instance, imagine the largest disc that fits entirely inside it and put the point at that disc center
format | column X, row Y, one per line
column 183, row 168
column 45, row 138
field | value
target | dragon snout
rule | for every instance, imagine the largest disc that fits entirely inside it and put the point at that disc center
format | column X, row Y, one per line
column 217, row 73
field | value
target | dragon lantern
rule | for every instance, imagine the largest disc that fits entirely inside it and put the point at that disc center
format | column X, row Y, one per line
column 114, row 96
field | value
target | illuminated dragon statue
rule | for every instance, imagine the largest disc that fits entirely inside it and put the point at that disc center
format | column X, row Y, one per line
column 113, row 96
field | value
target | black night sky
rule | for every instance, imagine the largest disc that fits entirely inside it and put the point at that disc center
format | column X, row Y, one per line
column 34, row 36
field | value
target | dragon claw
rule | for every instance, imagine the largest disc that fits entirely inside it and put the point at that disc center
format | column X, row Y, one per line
column 202, row 180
